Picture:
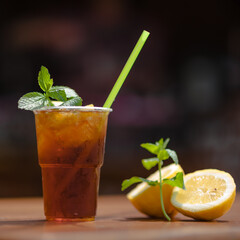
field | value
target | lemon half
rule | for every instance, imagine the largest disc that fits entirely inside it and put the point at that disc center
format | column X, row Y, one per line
column 209, row 194
column 146, row 199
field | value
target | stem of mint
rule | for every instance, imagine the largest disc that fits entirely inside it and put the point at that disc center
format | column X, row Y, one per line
column 161, row 196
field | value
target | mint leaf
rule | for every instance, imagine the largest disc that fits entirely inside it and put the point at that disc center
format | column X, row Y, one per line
column 176, row 181
column 57, row 94
column 150, row 163
column 150, row 182
column 152, row 148
column 76, row 101
column 44, row 80
column 160, row 143
column 32, row 100
column 128, row 182
column 173, row 155
column 48, row 102
column 166, row 143
column 70, row 93
column 163, row 154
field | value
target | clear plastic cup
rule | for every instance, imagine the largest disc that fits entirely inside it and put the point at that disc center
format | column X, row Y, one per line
column 71, row 145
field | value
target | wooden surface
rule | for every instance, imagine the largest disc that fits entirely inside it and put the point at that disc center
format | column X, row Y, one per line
column 116, row 219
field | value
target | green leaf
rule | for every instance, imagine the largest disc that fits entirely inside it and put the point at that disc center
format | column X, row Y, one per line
column 33, row 100
column 166, row 143
column 150, row 163
column 44, row 80
column 176, row 181
column 152, row 148
column 150, row 182
column 70, row 93
column 48, row 102
column 129, row 182
column 160, row 143
column 163, row 154
column 173, row 155
column 76, row 101
column 57, row 94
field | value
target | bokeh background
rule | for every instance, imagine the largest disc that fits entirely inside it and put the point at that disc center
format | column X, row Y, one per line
column 185, row 84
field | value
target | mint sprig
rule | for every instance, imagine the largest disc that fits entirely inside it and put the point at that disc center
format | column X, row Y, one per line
column 162, row 153
column 37, row 100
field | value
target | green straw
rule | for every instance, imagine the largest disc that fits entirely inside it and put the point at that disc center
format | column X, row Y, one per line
column 126, row 69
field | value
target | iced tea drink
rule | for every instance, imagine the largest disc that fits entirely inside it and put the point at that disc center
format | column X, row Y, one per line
column 71, row 143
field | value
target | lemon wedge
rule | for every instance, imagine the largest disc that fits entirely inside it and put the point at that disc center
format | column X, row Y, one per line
column 209, row 194
column 146, row 199
column 57, row 103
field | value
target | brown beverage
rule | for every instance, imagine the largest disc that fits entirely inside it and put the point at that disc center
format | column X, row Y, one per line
column 71, row 143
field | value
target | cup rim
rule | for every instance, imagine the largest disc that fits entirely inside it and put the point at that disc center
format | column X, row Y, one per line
column 77, row 108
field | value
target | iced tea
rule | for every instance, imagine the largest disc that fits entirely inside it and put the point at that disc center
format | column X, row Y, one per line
column 71, row 143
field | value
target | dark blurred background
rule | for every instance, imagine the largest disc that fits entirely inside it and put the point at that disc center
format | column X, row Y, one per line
column 185, row 84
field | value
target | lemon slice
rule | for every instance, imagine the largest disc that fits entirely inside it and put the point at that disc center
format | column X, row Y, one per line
column 57, row 103
column 209, row 194
column 146, row 199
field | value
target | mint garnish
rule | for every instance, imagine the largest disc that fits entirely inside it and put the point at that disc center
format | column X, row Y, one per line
column 162, row 153
column 37, row 100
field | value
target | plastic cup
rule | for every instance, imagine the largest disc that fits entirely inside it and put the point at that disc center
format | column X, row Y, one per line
column 71, row 145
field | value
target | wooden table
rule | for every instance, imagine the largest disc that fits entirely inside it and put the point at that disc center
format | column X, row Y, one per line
column 116, row 219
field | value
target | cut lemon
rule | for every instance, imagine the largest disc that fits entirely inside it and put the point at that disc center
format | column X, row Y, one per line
column 57, row 103
column 90, row 105
column 146, row 199
column 209, row 194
